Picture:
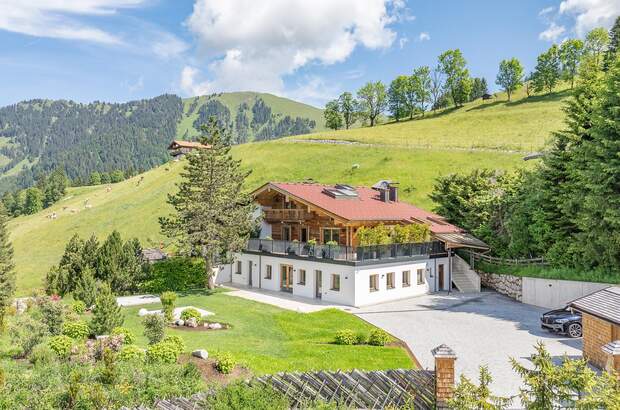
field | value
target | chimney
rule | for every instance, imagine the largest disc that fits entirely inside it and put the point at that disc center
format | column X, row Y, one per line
column 384, row 195
column 393, row 193
column 444, row 375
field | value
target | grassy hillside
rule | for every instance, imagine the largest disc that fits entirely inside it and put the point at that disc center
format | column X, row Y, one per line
column 133, row 206
column 524, row 124
column 280, row 107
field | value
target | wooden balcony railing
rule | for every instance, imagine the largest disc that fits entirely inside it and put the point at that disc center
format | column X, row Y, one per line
column 286, row 214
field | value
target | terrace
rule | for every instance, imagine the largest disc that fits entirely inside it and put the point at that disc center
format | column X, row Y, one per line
column 356, row 255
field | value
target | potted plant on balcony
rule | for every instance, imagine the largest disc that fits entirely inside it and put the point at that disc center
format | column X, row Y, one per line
column 332, row 248
column 309, row 246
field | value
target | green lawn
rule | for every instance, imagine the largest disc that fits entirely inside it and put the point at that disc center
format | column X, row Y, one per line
column 268, row 339
column 133, row 206
column 524, row 124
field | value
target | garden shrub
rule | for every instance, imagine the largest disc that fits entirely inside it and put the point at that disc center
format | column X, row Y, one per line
column 240, row 395
column 175, row 274
column 361, row 338
column 76, row 330
column 176, row 341
column 106, row 314
column 28, row 333
column 128, row 336
column 378, row 338
column 225, row 363
column 154, row 328
column 132, row 352
column 345, row 337
column 162, row 352
column 52, row 314
column 61, row 345
column 78, row 307
column 42, row 354
column 167, row 300
column 191, row 313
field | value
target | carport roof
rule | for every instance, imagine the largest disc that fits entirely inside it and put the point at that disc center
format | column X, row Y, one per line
column 604, row 304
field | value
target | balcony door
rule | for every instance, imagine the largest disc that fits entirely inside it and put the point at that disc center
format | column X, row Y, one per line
column 286, row 278
column 286, row 233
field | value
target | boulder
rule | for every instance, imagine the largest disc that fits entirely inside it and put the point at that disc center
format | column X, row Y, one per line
column 143, row 312
column 180, row 322
column 191, row 322
column 201, row 354
column 215, row 326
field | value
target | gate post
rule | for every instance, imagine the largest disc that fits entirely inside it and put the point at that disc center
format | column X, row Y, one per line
column 444, row 374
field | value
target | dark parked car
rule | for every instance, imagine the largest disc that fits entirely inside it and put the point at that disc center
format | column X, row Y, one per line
column 565, row 321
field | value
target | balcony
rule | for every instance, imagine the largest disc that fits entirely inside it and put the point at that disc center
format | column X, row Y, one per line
column 348, row 254
column 286, row 214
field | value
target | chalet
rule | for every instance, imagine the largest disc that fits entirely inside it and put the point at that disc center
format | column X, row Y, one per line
column 308, row 246
column 179, row 148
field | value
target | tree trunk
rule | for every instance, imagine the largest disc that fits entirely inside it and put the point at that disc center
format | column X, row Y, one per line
column 210, row 279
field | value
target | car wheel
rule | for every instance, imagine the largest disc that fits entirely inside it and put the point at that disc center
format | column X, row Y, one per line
column 574, row 330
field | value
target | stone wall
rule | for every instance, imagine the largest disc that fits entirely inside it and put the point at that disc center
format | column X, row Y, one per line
column 509, row 285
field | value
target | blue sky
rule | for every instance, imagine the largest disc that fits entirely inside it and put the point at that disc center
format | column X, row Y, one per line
column 120, row 50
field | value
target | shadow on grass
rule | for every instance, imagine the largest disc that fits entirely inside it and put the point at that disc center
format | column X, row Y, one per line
column 201, row 292
column 552, row 97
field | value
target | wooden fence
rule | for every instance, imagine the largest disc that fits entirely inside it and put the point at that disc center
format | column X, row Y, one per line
column 354, row 389
column 475, row 256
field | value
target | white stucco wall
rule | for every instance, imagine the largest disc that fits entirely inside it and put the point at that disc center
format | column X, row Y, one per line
column 354, row 280
column 362, row 282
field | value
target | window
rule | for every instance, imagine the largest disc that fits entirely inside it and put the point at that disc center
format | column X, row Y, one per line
column 420, row 276
column 331, row 234
column 406, row 278
column 238, row 271
column 390, row 280
column 268, row 272
column 302, row 277
column 336, row 282
column 374, row 283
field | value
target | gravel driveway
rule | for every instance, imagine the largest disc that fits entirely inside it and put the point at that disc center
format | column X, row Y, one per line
column 483, row 328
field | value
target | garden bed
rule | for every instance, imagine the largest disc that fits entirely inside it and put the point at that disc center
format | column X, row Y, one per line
column 210, row 374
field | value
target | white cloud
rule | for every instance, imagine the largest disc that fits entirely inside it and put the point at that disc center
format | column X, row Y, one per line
column 591, row 13
column 402, row 41
column 546, row 11
column 424, row 36
column 52, row 18
column 167, row 46
column 552, row 32
column 252, row 45
column 313, row 90
column 137, row 86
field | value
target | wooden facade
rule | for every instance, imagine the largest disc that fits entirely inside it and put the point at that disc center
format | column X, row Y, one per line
column 293, row 219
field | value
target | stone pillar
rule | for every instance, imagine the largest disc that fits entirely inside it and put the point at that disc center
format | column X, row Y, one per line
column 612, row 352
column 444, row 374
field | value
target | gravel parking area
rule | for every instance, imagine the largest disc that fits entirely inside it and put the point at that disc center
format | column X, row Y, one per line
column 484, row 328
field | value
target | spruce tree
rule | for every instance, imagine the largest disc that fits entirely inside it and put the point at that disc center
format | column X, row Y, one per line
column 7, row 274
column 86, row 288
column 213, row 213
column 106, row 314
column 614, row 44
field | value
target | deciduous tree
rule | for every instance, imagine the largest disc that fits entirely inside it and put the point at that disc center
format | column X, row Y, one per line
column 213, row 212
column 453, row 65
column 421, row 88
column 397, row 97
column 373, row 100
column 510, row 76
column 348, row 108
column 570, row 53
column 547, row 72
column 333, row 119
column 596, row 43
column 437, row 87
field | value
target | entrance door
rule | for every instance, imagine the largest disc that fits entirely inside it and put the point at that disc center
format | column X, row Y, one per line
column 250, row 273
column 318, row 283
column 286, row 278
column 440, row 274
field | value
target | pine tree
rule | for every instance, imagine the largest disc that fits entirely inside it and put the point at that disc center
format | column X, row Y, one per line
column 106, row 314
column 599, row 178
column 7, row 274
column 86, row 288
column 614, row 44
column 213, row 215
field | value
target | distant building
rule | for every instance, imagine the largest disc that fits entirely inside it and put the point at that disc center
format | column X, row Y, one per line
column 487, row 96
column 152, row 255
column 179, row 148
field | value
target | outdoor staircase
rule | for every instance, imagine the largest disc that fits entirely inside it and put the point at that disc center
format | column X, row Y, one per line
column 464, row 277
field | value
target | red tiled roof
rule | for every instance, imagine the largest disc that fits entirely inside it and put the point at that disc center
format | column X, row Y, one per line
column 366, row 207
